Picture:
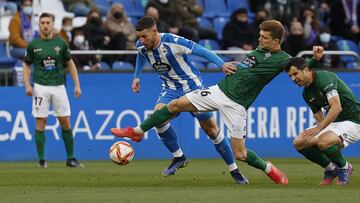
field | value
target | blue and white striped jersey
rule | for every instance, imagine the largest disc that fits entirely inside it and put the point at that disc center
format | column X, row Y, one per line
column 170, row 60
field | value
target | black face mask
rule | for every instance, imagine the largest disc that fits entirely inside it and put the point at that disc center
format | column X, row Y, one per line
column 95, row 20
column 118, row 15
column 296, row 38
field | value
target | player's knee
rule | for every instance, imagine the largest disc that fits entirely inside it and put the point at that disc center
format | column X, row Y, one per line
column 322, row 144
column 173, row 106
column 298, row 143
column 40, row 123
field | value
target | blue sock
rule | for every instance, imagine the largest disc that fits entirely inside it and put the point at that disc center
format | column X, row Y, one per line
column 168, row 136
column 222, row 146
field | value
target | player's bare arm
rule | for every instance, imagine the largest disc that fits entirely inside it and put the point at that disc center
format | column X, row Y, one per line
column 136, row 85
column 229, row 68
column 75, row 77
column 26, row 76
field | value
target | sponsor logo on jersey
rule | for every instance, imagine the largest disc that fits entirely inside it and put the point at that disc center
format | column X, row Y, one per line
column 49, row 63
column 161, row 67
column 248, row 62
column 37, row 50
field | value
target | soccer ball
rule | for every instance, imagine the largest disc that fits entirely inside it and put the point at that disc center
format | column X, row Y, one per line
column 121, row 153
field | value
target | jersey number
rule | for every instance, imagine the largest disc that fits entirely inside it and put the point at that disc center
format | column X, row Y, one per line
column 38, row 101
column 205, row 93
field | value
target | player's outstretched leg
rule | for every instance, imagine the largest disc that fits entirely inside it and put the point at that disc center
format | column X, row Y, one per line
column 128, row 132
column 277, row 175
column 344, row 174
column 168, row 136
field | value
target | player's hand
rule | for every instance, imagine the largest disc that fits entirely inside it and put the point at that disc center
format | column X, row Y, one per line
column 311, row 132
column 136, row 85
column 318, row 52
column 77, row 92
column 229, row 68
column 28, row 90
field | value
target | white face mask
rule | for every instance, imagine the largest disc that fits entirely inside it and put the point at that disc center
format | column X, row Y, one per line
column 325, row 37
column 67, row 28
column 79, row 39
column 27, row 10
column 164, row 1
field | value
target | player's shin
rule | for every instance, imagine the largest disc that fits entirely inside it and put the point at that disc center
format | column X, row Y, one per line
column 222, row 146
column 40, row 144
column 314, row 154
column 69, row 143
column 334, row 154
column 255, row 161
column 157, row 118
column 168, row 136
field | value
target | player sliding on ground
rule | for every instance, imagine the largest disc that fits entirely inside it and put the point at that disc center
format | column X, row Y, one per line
column 232, row 96
column 334, row 131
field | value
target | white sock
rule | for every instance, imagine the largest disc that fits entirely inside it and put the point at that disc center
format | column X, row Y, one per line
column 138, row 130
column 178, row 153
column 268, row 168
column 330, row 167
column 232, row 166
column 346, row 166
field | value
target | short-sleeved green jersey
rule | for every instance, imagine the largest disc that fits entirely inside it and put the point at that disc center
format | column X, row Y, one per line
column 49, row 57
column 325, row 83
column 253, row 73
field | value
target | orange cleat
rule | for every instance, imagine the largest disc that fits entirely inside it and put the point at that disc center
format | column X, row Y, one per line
column 127, row 132
column 277, row 176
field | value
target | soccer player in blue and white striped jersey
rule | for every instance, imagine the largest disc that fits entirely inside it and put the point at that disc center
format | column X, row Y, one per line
column 168, row 54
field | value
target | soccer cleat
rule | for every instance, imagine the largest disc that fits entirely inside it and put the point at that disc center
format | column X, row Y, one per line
column 74, row 163
column 127, row 132
column 344, row 175
column 238, row 177
column 42, row 164
column 277, row 175
column 329, row 176
column 176, row 163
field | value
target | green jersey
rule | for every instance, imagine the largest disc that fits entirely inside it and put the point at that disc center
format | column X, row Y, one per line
column 49, row 57
column 253, row 73
column 325, row 85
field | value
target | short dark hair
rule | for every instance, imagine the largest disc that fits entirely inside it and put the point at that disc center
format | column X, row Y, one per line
column 298, row 62
column 47, row 15
column 276, row 29
column 145, row 22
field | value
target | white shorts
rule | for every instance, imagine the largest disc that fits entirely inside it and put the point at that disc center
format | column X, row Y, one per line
column 349, row 132
column 213, row 99
column 42, row 97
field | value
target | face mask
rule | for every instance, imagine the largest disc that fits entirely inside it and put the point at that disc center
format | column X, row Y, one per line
column 164, row 1
column 67, row 28
column 95, row 20
column 27, row 10
column 325, row 37
column 118, row 15
column 79, row 39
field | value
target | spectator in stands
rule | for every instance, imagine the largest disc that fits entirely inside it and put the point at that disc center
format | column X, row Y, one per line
column 160, row 25
column 260, row 16
column 311, row 25
column 82, row 7
column 345, row 19
column 94, row 30
column 21, row 30
column 295, row 41
column 189, row 11
column 167, row 11
column 7, row 7
column 65, row 32
column 324, row 40
column 121, row 32
column 238, row 33
column 85, row 62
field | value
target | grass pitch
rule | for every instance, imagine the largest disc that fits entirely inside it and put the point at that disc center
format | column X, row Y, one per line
column 203, row 180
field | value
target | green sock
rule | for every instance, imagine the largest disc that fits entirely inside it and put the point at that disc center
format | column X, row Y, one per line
column 315, row 155
column 254, row 160
column 158, row 117
column 334, row 154
column 69, row 143
column 40, row 144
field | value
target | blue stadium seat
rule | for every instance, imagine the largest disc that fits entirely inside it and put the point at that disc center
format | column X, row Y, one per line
column 209, row 44
column 219, row 24
column 348, row 45
column 5, row 60
column 215, row 8
column 103, row 3
column 122, row 65
column 205, row 23
column 131, row 7
column 233, row 5
column 104, row 66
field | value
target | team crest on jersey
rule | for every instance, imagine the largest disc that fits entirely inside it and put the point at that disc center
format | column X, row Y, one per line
column 57, row 49
column 164, row 50
column 248, row 62
column 161, row 67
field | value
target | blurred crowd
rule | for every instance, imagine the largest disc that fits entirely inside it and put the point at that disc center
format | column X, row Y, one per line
column 107, row 25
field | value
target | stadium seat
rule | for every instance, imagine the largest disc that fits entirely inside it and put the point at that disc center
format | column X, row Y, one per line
column 233, row 5
column 219, row 24
column 205, row 23
column 104, row 3
column 5, row 60
column 209, row 44
column 122, row 65
column 104, row 66
column 348, row 45
column 215, row 8
column 131, row 7
column 4, row 27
